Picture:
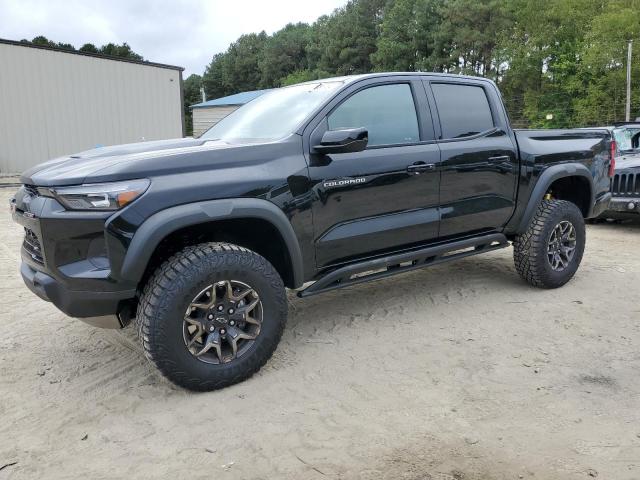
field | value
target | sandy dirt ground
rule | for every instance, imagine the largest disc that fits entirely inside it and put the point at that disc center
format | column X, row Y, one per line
column 457, row 372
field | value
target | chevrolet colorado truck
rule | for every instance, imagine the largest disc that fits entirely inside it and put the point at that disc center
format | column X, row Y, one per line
column 320, row 185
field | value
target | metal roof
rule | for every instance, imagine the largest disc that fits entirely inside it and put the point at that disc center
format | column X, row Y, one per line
column 90, row 54
column 236, row 99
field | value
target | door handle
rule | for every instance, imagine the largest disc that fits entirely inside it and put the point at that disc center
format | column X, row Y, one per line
column 501, row 163
column 421, row 167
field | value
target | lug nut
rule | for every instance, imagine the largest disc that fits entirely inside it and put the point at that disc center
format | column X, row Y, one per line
column 212, row 328
column 210, row 316
column 232, row 322
column 231, row 310
column 220, row 308
column 222, row 331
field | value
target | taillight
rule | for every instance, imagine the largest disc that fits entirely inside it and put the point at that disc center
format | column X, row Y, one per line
column 612, row 163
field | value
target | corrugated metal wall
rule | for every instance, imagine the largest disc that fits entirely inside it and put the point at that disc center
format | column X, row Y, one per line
column 54, row 103
column 204, row 118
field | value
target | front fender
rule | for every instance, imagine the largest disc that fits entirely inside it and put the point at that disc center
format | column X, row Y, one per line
column 165, row 222
column 548, row 176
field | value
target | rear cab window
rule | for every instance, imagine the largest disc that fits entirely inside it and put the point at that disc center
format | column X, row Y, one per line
column 464, row 110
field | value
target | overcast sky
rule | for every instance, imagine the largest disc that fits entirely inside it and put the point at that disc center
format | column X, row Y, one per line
column 178, row 32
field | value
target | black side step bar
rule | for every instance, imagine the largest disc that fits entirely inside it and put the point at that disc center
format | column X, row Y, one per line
column 382, row 267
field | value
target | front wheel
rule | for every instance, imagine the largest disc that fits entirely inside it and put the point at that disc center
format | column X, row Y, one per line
column 212, row 315
column 548, row 254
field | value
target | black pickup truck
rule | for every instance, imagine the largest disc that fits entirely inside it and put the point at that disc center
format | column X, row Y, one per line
column 334, row 182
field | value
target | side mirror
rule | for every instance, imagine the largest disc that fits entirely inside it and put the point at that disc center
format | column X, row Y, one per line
column 343, row 141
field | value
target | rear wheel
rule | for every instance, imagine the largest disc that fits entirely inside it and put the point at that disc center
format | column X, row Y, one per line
column 549, row 253
column 212, row 315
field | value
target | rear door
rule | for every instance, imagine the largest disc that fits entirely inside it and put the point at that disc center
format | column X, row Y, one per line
column 479, row 160
column 386, row 196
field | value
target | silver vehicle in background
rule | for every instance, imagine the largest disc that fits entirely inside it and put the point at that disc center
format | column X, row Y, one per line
column 625, row 183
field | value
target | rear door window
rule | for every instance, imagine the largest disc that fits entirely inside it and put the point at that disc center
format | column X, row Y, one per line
column 463, row 109
column 386, row 111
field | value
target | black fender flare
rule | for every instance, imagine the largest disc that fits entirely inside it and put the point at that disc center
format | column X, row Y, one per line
column 160, row 224
column 548, row 176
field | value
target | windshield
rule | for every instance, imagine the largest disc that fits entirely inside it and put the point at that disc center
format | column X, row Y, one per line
column 272, row 115
column 626, row 139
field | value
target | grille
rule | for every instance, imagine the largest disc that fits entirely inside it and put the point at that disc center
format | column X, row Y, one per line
column 626, row 185
column 32, row 245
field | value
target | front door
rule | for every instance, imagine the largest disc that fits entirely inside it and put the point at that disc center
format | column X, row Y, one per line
column 386, row 196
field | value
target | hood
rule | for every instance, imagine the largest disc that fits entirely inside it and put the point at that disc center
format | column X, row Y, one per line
column 125, row 162
column 628, row 161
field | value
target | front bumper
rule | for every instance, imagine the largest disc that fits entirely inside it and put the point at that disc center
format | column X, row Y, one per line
column 64, row 261
column 628, row 207
column 99, row 309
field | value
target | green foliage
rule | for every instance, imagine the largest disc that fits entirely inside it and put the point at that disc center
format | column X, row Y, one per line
column 284, row 52
column 602, row 71
column 242, row 63
column 338, row 44
column 300, row 76
column 42, row 40
column 112, row 49
column 558, row 63
column 123, row 51
column 407, row 40
column 213, row 79
column 347, row 38
column 238, row 69
column 89, row 48
column 191, row 92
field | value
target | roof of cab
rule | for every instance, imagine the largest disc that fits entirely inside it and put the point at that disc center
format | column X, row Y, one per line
column 245, row 97
column 353, row 78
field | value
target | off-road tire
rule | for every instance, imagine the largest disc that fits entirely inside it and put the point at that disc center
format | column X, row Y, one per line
column 530, row 248
column 170, row 290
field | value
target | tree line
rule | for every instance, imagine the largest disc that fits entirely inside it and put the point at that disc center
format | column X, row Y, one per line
column 111, row 49
column 558, row 63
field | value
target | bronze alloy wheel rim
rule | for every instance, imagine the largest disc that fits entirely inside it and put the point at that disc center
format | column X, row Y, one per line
column 222, row 322
column 561, row 246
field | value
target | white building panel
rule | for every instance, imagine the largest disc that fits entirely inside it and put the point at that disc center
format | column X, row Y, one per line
column 206, row 117
column 55, row 103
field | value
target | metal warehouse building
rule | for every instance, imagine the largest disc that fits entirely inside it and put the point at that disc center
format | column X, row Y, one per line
column 56, row 102
column 207, row 114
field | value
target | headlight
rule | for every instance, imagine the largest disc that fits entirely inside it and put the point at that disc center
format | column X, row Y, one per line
column 101, row 196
